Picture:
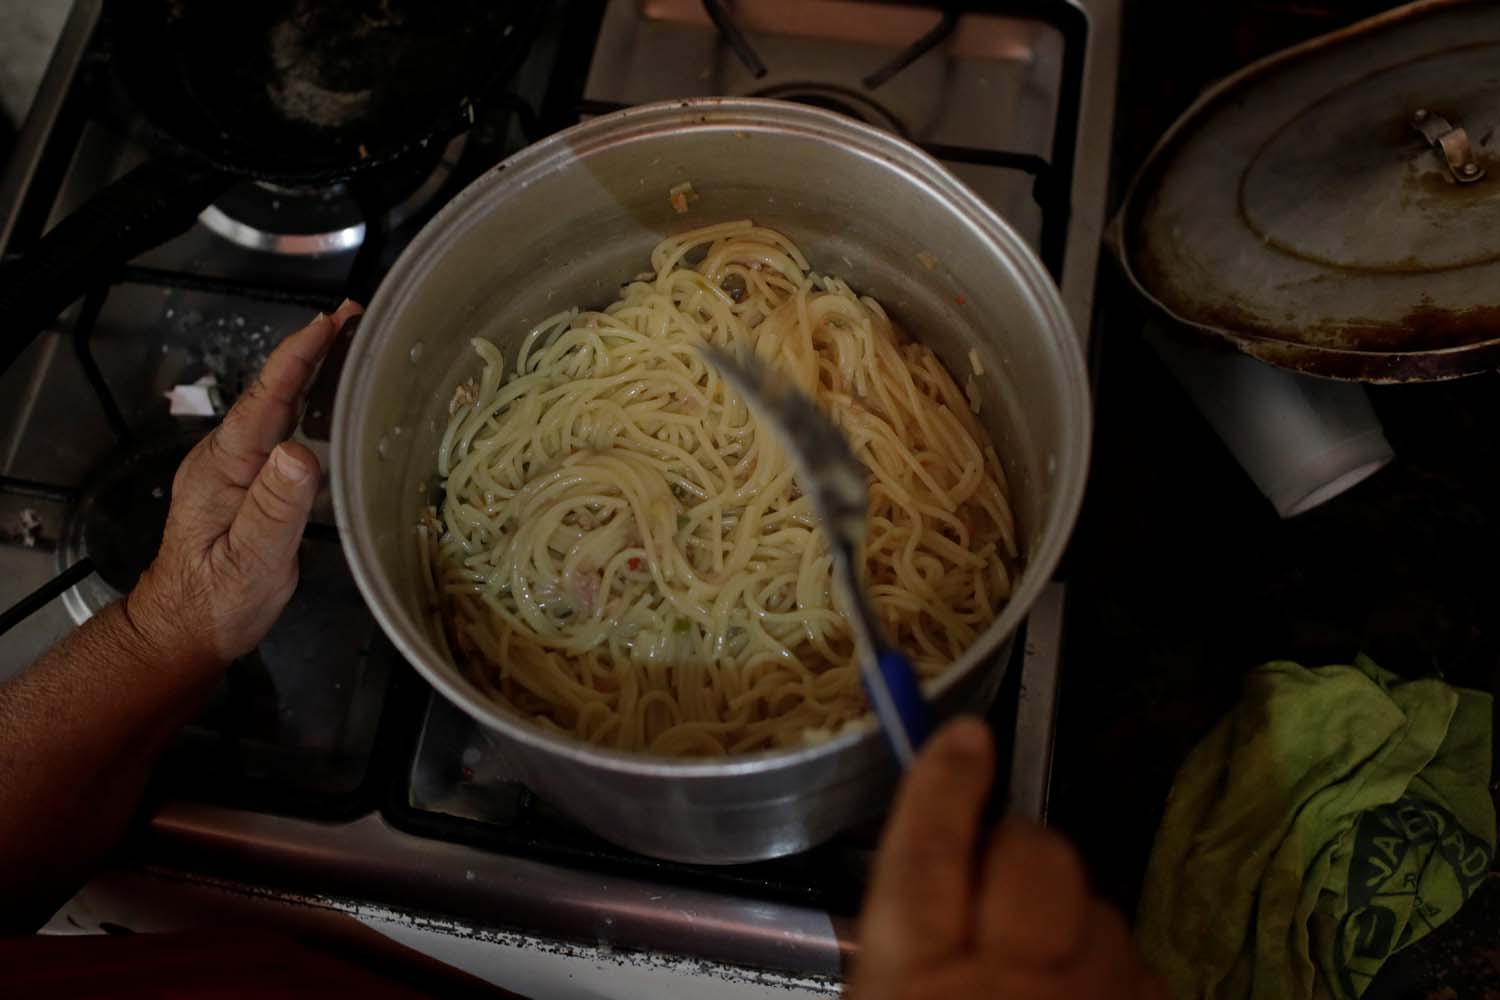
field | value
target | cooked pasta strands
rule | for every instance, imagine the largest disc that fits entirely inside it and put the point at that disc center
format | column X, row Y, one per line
column 623, row 554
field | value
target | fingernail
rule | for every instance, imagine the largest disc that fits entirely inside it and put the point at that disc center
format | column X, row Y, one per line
column 344, row 315
column 289, row 466
column 967, row 738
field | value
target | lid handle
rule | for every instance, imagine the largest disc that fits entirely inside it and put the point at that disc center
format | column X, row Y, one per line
column 1452, row 142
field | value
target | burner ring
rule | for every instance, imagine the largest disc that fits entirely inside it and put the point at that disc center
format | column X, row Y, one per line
column 299, row 222
column 843, row 100
column 118, row 523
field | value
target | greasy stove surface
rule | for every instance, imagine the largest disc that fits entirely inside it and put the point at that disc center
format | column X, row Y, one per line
column 324, row 721
column 1182, row 578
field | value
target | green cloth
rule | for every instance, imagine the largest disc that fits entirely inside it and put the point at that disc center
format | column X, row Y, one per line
column 1336, row 815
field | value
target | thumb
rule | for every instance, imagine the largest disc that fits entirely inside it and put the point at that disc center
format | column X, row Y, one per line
column 920, row 905
column 268, row 527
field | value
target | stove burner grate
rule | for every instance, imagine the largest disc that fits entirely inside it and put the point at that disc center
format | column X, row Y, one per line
column 1052, row 174
column 844, row 101
column 306, row 221
column 745, row 52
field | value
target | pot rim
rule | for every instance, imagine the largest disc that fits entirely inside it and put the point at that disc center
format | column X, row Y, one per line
column 754, row 116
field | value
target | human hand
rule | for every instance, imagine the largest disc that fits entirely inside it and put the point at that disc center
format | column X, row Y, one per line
column 240, row 501
column 955, row 912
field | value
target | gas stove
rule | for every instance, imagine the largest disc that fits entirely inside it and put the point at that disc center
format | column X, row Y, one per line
column 324, row 764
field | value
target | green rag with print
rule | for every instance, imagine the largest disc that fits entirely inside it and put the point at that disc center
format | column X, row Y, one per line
column 1336, row 815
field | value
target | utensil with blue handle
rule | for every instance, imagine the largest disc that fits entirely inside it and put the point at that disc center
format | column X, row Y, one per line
column 835, row 480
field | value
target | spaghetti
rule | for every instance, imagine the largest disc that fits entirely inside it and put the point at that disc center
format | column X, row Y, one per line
column 622, row 553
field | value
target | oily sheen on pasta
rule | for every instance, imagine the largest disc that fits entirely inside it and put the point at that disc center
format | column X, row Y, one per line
column 621, row 552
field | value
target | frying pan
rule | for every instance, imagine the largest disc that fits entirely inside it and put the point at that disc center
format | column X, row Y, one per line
column 299, row 93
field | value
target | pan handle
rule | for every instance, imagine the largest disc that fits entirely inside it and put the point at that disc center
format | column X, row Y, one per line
column 147, row 207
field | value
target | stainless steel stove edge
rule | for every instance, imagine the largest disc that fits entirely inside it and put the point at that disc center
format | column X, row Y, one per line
column 1096, row 122
column 370, row 860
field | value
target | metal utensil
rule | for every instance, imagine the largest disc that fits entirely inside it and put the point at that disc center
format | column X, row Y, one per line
column 835, row 480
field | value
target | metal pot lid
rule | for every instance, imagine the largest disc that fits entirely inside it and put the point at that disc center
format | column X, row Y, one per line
column 1335, row 208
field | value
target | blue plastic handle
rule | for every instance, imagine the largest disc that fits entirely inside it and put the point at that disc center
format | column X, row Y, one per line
column 899, row 705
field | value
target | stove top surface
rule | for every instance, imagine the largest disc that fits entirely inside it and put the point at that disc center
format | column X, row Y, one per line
column 324, row 720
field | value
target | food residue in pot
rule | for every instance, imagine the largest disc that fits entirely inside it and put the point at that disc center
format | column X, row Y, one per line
column 680, row 195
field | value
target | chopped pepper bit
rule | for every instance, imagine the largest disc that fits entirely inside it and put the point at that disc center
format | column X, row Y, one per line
column 680, row 195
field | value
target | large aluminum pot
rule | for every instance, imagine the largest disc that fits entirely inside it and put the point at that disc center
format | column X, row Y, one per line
column 565, row 222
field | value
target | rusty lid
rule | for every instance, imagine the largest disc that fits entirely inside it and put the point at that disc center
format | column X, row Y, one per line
column 1335, row 208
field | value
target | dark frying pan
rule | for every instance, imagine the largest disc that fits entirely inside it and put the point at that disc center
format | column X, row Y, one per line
column 301, row 93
